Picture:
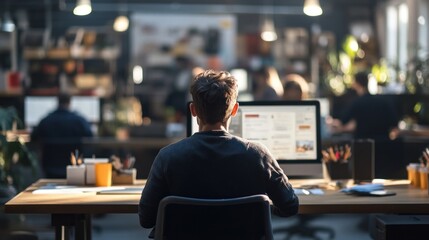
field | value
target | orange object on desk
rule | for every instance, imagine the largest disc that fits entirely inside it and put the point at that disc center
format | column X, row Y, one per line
column 103, row 174
column 423, row 171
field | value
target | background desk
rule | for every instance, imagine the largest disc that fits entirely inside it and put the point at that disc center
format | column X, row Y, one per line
column 144, row 149
column 76, row 209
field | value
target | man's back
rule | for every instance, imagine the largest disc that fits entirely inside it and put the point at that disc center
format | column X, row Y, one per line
column 221, row 163
column 59, row 134
column 63, row 124
column 374, row 116
column 215, row 164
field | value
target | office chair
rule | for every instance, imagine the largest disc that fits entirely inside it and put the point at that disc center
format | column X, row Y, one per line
column 303, row 228
column 245, row 218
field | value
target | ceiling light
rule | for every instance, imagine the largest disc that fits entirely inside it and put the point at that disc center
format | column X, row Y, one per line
column 268, row 32
column 312, row 8
column 137, row 74
column 8, row 25
column 83, row 7
column 121, row 23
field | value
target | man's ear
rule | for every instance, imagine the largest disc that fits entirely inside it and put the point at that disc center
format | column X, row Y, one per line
column 192, row 108
column 234, row 109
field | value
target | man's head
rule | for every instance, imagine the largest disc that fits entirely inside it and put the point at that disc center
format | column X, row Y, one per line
column 64, row 100
column 361, row 82
column 214, row 95
column 295, row 88
column 292, row 91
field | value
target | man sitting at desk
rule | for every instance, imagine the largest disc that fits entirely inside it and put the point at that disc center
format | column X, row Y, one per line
column 213, row 163
column 369, row 116
column 59, row 134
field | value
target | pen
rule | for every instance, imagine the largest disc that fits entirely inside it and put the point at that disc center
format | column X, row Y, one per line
column 332, row 154
column 79, row 160
column 326, row 156
column 347, row 152
column 72, row 159
column 132, row 161
column 76, row 154
column 337, row 153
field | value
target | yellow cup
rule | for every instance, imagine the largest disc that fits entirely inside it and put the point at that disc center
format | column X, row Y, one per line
column 416, row 178
column 413, row 174
column 423, row 178
column 103, row 174
column 410, row 175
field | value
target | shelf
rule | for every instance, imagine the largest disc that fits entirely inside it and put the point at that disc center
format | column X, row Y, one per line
column 14, row 93
column 107, row 54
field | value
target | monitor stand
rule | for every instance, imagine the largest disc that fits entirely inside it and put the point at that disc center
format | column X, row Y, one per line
column 303, row 170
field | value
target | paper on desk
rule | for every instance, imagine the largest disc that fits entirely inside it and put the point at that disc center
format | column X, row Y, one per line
column 127, row 190
column 313, row 191
column 58, row 191
column 68, row 189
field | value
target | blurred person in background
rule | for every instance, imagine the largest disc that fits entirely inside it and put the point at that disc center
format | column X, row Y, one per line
column 267, row 85
column 59, row 134
column 178, row 96
column 369, row 116
column 295, row 88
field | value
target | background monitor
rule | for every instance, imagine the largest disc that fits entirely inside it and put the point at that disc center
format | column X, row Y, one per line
column 37, row 107
column 87, row 106
column 290, row 129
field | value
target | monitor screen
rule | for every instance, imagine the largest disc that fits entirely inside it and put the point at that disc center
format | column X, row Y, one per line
column 290, row 129
column 87, row 106
column 37, row 107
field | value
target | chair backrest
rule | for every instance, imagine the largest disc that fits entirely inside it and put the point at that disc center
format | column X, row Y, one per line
column 246, row 217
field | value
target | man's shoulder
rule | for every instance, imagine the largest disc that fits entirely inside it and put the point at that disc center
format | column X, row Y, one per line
column 183, row 143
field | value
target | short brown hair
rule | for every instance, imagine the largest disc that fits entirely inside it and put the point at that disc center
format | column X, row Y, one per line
column 214, row 94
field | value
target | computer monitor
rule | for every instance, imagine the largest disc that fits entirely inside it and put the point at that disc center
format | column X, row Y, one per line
column 87, row 106
column 37, row 107
column 290, row 130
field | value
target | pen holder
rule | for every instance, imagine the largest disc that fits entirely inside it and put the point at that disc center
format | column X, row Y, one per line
column 338, row 170
column 76, row 175
column 90, row 174
column 125, row 176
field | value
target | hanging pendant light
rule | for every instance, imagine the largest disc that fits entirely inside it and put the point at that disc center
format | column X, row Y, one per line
column 8, row 25
column 121, row 23
column 268, row 31
column 312, row 8
column 83, row 7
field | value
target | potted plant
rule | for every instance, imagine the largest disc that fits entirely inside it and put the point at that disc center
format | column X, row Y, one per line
column 16, row 160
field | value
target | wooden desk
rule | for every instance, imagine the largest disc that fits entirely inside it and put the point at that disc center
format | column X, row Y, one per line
column 71, row 210
column 408, row 200
column 74, row 210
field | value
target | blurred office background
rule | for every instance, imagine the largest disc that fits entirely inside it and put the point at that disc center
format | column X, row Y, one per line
column 125, row 58
column 125, row 62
